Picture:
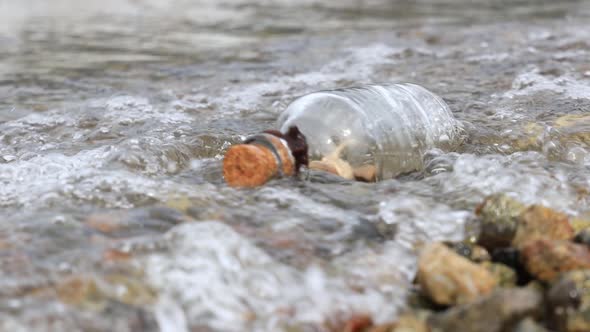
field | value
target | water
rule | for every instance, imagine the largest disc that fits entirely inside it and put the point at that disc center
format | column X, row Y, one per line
column 114, row 117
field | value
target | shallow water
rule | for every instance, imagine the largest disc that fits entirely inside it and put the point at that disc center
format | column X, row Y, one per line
column 114, row 116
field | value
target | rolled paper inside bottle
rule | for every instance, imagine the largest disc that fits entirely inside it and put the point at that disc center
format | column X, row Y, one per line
column 260, row 159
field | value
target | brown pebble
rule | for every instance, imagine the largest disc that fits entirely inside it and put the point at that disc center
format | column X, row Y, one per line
column 546, row 259
column 104, row 223
column 357, row 323
column 569, row 301
column 495, row 312
column 539, row 221
column 114, row 255
column 448, row 278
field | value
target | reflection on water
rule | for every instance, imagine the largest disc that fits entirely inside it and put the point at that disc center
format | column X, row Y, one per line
column 114, row 116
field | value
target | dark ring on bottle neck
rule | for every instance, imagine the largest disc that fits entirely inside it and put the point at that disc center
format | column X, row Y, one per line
column 297, row 145
column 262, row 140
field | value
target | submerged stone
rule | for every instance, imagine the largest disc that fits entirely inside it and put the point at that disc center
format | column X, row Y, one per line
column 499, row 220
column 574, row 128
column 580, row 223
column 82, row 292
column 90, row 292
column 448, row 278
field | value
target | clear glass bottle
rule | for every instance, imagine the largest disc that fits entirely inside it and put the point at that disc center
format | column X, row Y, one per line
column 388, row 126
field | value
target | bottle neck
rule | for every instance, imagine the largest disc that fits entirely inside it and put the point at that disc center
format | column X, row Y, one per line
column 264, row 156
column 279, row 148
column 297, row 144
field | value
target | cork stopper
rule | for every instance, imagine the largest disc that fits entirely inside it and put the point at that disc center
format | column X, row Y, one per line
column 260, row 159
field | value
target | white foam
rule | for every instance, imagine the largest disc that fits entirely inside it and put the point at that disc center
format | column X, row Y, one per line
column 52, row 177
column 523, row 175
column 531, row 81
column 419, row 220
column 223, row 281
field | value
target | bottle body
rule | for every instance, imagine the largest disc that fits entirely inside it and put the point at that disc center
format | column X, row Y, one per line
column 388, row 126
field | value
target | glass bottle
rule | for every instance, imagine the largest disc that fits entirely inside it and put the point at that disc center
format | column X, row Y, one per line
column 385, row 126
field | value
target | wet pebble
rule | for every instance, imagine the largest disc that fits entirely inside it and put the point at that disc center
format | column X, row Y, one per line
column 569, row 301
column 507, row 222
column 167, row 214
column 90, row 292
column 511, row 258
column 539, row 221
column 505, row 276
column 499, row 220
column 471, row 251
column 408, row 322
column 546, row 259
column 583, row 237
column 580, row 223
column 448, row 278
column 528, row 325
column 135, row 222
column 493, row 313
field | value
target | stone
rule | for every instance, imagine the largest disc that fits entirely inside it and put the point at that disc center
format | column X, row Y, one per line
column 545, row 259
column 93, row 292
column 583, row 237
column 528, row 325
column 506, row 222
column 180, row 203
column 167, row 214
column 387, row 327
column 539, row 221
column 115, row 255
column 471, row 251
column 414, row 321
column 530, row 138
column 357, row 323
column 495, row 312
column 508, row 256
column 573, row 128
column 104, row 223
column 580, row 223
column 82, row 292
column 511, row 258
column 448, row 278
column 499, row 220
column 569, row 301
column 504, row 275
column 567, row 129
column 410, row 322
column 128, row 290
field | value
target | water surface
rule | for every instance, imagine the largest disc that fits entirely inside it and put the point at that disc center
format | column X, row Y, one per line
column 114, row 117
